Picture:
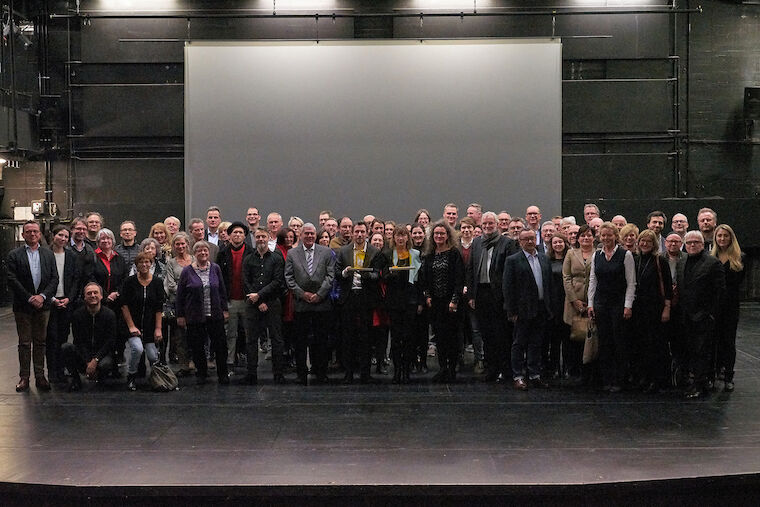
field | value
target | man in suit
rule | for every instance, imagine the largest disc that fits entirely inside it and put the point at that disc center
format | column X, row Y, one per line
column 358, row 297
column 656, row 223
column 483, row 278
column 548, row 229
column 527, row 286
column 701, row 283
column 33, row 278
column 196, row 229
column 309, row 273
column 213, row 219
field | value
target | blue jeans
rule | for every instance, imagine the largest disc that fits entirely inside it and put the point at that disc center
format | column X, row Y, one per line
column 136, row 349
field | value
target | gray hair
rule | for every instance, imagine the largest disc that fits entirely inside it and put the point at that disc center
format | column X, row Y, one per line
column 200, row 243
column 568, row 220
column 147, row 241
column 489, row 214
column 548, row 222
column 107, row 232
column 694, row 235
column 308, row 225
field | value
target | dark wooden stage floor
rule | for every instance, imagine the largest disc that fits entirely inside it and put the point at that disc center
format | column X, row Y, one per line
column 470, row 441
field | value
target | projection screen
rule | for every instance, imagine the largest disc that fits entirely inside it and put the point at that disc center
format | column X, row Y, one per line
column 380, row 127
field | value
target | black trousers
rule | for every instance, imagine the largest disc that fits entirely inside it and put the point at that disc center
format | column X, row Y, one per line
column 402, row 332
column 355, row 321
column 57, row 334
column 700, row 342
column 446, row 335
column 196, row 337
column 527, row 345
column 258, row 323
column 613, row 346
column 76, row 364
column 725, row 327
column 652, row 358
column 311, row 336
column 493, row 328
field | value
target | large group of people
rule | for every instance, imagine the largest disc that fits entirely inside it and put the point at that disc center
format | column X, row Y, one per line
column 343, row 295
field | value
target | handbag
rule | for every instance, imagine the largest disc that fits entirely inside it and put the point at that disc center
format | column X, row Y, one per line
column 591, row 345
column 579, row 327
column 168, row 312
column 162, row 378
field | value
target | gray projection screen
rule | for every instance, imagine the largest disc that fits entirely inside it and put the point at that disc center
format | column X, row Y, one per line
column 381, row 127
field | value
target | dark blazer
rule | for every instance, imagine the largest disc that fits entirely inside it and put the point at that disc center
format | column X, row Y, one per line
column 454, row 280
column 20, row 278
column 190, row 295
column 700, row 292
column 373, row 260
column 520, row 289
column 111, row 282
column 503, row 248
column 269, row 281
column 94, row 335
column 224, row 260
column 70, row 275
column 319, row 282
column 399, row 293
column 85, row 266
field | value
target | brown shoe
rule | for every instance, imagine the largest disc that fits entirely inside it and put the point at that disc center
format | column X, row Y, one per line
column 23, row 385
column 520, row 384
column 42, row 384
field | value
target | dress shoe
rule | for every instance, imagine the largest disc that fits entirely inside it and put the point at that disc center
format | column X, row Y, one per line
column 224, row 380
column 539, row 382
column 42, row 384
column 182, row 372
column 692, row 393
column 728, row 387
column 200, row 380
column 302, row 380
column 520, row 384
column 23, row 385
column 478, row 369
column 348, row 378
column 615, row 389
column 491, row 376
column 249, row 380
column 279, row 379
column 441, row 377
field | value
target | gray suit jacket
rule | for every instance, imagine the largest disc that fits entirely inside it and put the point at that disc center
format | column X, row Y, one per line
column 319, row 282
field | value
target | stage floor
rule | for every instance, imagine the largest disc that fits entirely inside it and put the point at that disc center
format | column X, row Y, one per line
column 465, row 434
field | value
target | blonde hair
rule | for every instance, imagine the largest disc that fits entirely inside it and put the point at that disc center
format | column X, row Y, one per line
column 651, row 236
column 732, row 254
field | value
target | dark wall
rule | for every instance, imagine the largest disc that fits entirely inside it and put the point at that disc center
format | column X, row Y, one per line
column 652, row 114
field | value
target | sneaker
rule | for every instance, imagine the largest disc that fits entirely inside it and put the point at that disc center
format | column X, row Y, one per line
column 469, row 349
column 431, row 350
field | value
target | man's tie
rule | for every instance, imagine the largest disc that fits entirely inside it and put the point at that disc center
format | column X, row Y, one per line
column 310, row 261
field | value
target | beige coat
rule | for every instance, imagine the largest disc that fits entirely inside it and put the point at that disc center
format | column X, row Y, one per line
column 575, row 275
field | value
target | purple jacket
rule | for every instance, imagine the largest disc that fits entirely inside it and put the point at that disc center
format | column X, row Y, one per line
column 190, row 295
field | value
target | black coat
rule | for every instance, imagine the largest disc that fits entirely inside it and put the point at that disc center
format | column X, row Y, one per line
column 143, row 304
column 503, row 248
column 520, row 289
column 71, row 283
column 372, row 259
column 20, row 278
column 701, row 285
column 110, row 282
column 85, row 267
column 224, row 259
